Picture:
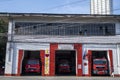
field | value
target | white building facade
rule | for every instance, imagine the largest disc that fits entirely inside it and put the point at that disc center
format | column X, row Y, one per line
column 56, row 35
column 101, row 7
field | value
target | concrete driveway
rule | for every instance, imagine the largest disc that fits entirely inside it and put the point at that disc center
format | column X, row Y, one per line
column 56, row 78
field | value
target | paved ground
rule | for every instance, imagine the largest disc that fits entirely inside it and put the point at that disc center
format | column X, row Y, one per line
column 57, row 78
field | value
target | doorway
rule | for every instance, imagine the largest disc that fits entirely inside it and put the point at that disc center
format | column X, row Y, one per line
column 65, row 62
column 31, row 63
column 99, row 63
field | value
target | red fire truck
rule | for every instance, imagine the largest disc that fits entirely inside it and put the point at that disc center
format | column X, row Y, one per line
column 100, row 66
column 64, row 66
column 32, row 65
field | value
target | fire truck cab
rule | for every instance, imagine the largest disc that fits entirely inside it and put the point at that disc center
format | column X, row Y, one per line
column 64, row 66
column 32, row 65
column 100, row 66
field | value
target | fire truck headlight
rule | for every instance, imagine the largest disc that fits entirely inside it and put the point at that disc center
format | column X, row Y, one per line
column 95, row 71
column 106, row 71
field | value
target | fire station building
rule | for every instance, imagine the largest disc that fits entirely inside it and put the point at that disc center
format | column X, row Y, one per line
column 52, row 38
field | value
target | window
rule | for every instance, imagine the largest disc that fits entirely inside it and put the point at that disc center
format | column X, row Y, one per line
column 65, row 29
column 99, row 62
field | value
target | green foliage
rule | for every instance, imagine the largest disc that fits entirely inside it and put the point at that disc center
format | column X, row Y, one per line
column 3, row 40
column 3, row 26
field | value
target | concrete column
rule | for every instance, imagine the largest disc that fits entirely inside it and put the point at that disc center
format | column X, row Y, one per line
column 42, row 56
column 9, row 58
column 53, row 47
column 78, row 48
column 9, row 50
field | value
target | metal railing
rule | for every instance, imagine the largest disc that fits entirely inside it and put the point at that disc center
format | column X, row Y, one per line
column 65, row 29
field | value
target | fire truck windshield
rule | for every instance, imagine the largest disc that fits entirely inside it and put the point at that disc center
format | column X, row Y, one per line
column 33, row 61
column 99, row 62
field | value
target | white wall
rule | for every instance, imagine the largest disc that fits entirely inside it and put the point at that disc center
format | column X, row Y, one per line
column 12, row 66
column 118, row 58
